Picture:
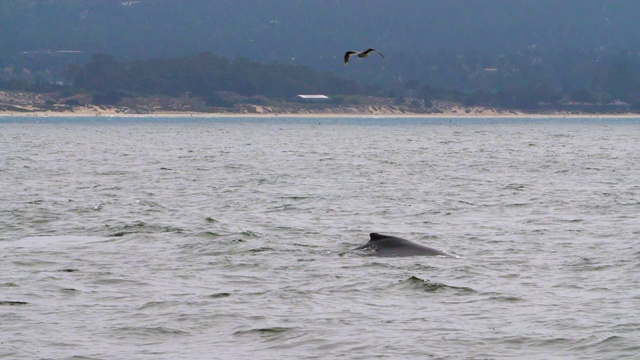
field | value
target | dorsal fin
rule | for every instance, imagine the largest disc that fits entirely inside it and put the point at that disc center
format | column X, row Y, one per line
column 376, row 236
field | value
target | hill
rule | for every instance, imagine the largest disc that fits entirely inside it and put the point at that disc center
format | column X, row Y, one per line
column 506, row 53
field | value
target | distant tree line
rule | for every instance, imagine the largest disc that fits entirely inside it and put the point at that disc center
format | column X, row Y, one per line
column 203, row 76
column 528, row 79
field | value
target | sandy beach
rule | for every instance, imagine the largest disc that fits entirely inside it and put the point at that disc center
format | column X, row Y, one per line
column 112, row 112
column 21, row 104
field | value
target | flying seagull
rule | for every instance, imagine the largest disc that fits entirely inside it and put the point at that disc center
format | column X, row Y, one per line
column 361, row 54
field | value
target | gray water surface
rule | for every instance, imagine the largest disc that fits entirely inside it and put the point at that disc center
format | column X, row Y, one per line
column 231, row 238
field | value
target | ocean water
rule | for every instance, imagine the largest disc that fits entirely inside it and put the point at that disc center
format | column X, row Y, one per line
column 232, row 238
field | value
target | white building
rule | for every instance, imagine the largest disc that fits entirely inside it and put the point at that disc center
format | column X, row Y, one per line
column 311, row 98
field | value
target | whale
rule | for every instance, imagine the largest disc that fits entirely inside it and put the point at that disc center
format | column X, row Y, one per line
column 391, row 246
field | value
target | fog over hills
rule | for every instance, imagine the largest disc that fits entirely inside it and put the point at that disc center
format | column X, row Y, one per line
column 314, row 32
column 422, row 39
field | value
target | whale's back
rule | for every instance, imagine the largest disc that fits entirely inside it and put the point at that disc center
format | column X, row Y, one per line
column 391, row 246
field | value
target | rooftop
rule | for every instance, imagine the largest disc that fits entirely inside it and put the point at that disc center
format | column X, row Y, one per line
column 312, row 96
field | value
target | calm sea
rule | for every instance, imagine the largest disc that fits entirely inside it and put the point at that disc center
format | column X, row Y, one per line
column 167, row 238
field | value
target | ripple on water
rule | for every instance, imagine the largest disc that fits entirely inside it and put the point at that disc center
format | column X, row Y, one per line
column 167, row 239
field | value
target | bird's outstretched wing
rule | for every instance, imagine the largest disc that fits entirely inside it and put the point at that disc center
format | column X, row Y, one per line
column 366, row 52
column 347, row 55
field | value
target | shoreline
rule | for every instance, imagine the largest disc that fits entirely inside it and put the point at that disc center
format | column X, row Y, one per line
column 177, row 114
column 28, row 105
